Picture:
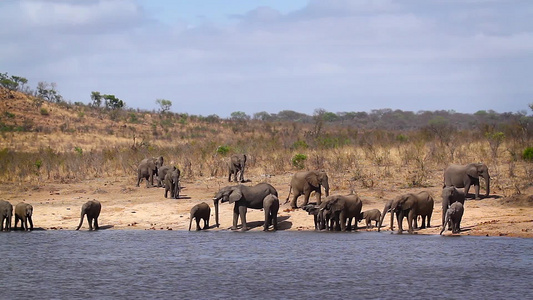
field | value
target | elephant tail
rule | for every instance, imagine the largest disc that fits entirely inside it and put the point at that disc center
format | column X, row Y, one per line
column 81, row 221
column 288, row 195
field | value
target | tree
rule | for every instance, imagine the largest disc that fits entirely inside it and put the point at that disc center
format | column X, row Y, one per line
column 239, row 116
column 113, row 102
column 47, row 91
column 96, row 97
column 12, row 83
column 164, row 105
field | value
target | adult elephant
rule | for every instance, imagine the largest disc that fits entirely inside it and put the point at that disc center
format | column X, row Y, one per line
column 147, row 169
column 450, row 195
column 24, row 212
column 454, row 216
column 243, row 196
column 172, row 183
column 413, row 205
column 463, row 176
column 305, row 182
column 200, row 211
column 6, row 214
column 92, row 209
column 343, row 210
column 236, row 165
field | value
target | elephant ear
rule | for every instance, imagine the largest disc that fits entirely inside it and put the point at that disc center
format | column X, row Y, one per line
column 473, row 170
column 406, row 202
column 335, row 205
column 235, row 195
column 312, row 179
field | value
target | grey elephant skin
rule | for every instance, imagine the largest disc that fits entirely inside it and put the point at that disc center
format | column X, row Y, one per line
column 92, row 209
column 200, row 211
column 271, row 208
column 344, row 209
column 24, row 212
column 369, row 216
column 243, row 197
column 464, row 176
column 454, row 214
column 162, row 172
column 147, row 169
column 306, row 182
column 236, row 166
column 387, row 209
column 413, row 205
column 172, row 183
column 6, row 213
column 450, row 195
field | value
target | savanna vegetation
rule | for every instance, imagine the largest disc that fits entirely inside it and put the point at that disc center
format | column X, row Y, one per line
column 47, row 139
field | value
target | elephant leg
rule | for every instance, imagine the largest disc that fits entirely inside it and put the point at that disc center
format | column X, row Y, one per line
column 429, row 221
column 229, row 176
column 267, row 218
column 423, row 226
column 242, row 175
column 31, row 223
column 294, row 199
column 16, row 221
column 90, row 221
column 411, row 218
column 96, row 227
column 197, row 219
column 275, row 221
column 306, row 197
column 235, row 216
column 242, row 213
column 206, row 222
column 399, row 217
column 467, row 188
column 476, row 188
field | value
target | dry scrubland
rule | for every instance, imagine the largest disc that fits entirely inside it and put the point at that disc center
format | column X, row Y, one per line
column 57, row 156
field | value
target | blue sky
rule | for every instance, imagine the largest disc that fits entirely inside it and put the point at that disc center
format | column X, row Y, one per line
column 217, row 57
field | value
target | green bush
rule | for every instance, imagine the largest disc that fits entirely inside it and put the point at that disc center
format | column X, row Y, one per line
column 44, row 112
column 300, row 145
column 528, row 154
column 223, row 150
column 298, row 160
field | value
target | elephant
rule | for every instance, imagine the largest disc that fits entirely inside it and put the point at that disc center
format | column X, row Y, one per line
column 315, row 210
column 24, row 212
column 413, row 205
column 271, row 207
column 387, row 209
column 369, row 216
column 454, row 214
column 237, row 165
column 463, row 176
column 305, row 182
column 161, row 173
column 172, row 183
column 450, row 195
column 243, row 196
column 6, row 213
column 92, row 209
column 343, row 209
column 200, row 211
column 147, row 168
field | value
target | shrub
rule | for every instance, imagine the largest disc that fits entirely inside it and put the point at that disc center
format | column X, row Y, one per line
column 44, row 112
column 300, row 145
column 223, row 150
column 78, row 150
column 528, row 154
column 298, row 160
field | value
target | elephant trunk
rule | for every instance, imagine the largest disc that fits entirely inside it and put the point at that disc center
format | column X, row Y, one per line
column 215, row 202
column 190, row 222
column 326, row 188
column 487, row 180
column 81, row 221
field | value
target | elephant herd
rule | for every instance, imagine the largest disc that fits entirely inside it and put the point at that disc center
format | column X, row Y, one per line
column 335, row 212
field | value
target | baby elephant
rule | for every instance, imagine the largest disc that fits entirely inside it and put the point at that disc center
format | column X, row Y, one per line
column 271, row 207
column 369, row 216
column 200, row 211
column 23, row 212
column 454, row 214
column 92, row 209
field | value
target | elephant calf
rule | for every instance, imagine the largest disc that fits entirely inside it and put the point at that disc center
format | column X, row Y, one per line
column 454, row 214
column 271, row 207
column 200, row 211
column 92, row 209
column 23, row 212
column 369, row 216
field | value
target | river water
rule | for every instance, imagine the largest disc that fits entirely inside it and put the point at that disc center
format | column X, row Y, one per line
column 128, row 264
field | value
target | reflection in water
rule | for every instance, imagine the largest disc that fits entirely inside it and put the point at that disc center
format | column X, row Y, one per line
column 175, row 264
